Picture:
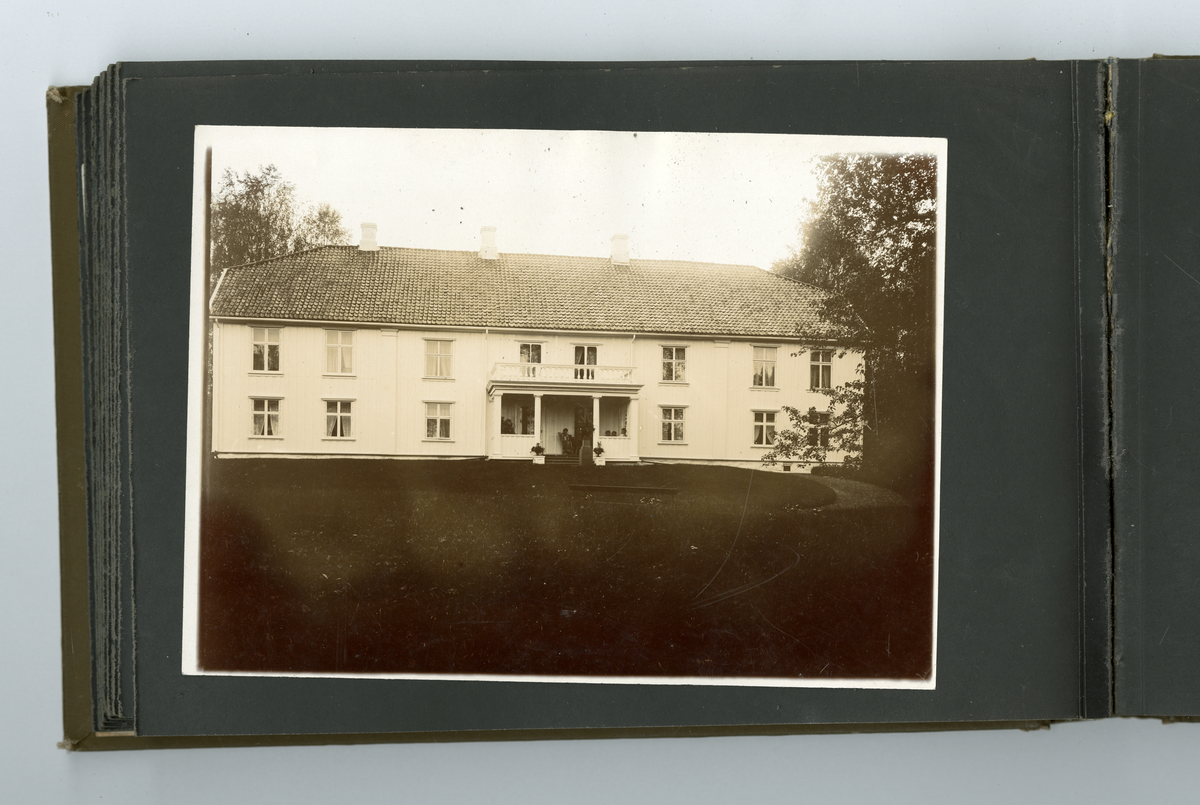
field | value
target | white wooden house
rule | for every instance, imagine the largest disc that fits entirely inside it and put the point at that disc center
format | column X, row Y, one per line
column 419, row 353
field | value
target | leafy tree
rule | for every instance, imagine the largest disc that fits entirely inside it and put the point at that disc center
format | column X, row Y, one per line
column 815, row 433
column 870, row 237
column 256, row 216
column 320, row 226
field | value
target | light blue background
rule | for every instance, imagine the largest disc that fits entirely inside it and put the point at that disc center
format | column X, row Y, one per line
column 70, row 42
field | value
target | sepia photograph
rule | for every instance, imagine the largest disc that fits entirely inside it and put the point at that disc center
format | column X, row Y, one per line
column 599, row 406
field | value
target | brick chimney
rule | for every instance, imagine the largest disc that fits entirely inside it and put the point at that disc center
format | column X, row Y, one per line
column 487, row 243
column 368, row 242
column 620, row 250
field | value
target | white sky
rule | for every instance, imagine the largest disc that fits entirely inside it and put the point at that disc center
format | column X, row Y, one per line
column 724, row 198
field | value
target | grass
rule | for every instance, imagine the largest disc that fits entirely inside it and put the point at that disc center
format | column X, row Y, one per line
column 499, row 567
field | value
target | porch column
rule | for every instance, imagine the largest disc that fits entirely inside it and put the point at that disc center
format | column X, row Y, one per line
column 497, row 416
column 634, row 432
column 537, row 417
column 595, row 419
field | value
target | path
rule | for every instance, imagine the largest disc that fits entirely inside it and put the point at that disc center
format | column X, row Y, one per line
column 858, row 495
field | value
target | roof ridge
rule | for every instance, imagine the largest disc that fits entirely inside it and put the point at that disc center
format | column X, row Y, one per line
column 599, row 258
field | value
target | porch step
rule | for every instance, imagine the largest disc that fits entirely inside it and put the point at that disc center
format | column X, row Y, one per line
column 562, row 460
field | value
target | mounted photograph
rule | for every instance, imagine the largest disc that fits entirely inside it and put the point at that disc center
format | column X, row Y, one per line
column 547, row 406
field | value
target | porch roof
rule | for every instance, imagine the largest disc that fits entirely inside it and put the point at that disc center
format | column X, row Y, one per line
column 523, row 291
column 563, row 388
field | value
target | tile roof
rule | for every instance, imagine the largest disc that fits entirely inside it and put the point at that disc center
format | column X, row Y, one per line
column 534, row 291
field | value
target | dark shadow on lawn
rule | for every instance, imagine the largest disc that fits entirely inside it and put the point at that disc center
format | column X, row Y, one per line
column 473, row 567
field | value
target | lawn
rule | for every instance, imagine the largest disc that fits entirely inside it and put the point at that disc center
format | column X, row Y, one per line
column 474, row 567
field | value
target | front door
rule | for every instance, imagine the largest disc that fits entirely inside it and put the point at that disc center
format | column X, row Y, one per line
column 583, row 423
column 556, row 418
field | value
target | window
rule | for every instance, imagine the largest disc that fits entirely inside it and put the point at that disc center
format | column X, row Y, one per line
column 266, row 349
column 437, row 421
column 674, row 364
column 585, row 356
column 764, row 427
column 672, row 424
column 818, row 431
column 437, row 358
column 266, row 418
column 337, row 419
column 339, row 352
column 764, row 366
column 819, row 369
column 530, row 353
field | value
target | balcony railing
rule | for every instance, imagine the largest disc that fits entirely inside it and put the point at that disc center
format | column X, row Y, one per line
column 562, row 373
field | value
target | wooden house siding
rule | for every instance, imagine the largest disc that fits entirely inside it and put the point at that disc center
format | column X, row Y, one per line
column 389, row 391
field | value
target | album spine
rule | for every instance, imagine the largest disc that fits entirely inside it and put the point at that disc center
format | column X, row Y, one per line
column 68, row 381
column 1092, row 177
column 1126, row 287
column 1130, row 337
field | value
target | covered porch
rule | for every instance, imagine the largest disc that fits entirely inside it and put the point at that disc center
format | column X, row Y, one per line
column 565, row 424
column 563, row 414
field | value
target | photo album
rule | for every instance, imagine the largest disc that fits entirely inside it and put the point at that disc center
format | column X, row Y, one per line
column 404, row 401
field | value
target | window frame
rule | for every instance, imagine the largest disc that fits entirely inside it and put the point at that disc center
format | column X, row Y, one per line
column 448, row 357
column 756, row 424
column 267, row 344
column 773, row 361
column 528, row 373
column 676, row 364
column 352, row 346
column 520, row 422
column 348, row 415
column 818, row 432
column 531, row 345
column 585, row 370
column 681, row 420
column 266, row 414
column 448, row 418
column 822, row 380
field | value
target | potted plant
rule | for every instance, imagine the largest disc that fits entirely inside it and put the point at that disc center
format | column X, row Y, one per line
column 539, row 453
column 599, row 451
